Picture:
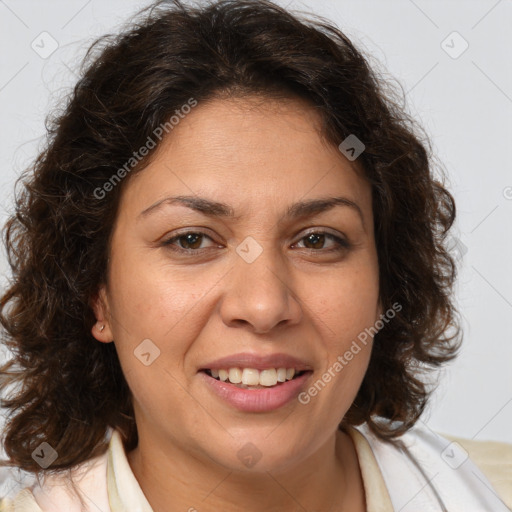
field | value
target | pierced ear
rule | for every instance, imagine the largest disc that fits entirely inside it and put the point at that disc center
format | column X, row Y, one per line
column 101, row 329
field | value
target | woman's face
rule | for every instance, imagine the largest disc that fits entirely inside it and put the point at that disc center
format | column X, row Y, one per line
column 272, row 281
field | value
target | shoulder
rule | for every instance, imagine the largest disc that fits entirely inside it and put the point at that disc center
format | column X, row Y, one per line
column 422, row 468
column 24, row 501
column 82, row 489
column 494, row 460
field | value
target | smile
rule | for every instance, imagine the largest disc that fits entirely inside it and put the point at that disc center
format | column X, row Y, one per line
column 251, row 378
column 268, row 395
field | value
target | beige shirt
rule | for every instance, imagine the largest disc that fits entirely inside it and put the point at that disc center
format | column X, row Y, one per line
column 109, row 485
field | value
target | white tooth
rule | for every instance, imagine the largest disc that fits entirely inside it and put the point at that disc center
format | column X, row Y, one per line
column 250, row 377
column 215, row 373
column 290, row 372
column 268, row 377
column 223, row 375
column 281, row 374
column 235, row 375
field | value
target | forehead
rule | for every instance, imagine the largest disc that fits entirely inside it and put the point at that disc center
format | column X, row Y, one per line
column 249, row 153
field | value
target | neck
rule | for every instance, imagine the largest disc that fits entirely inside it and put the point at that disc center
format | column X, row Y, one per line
column 172, row 480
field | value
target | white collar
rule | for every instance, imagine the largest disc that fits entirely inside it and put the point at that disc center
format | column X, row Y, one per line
column 415, row 469
column 124, row 491
column 425, row 471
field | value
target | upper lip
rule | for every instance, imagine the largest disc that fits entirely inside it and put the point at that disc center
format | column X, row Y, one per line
column 258, row 362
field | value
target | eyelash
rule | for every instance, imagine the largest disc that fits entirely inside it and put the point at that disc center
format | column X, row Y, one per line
column 342, row 244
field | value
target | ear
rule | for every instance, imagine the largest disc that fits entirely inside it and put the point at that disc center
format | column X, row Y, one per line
column 379, row 313
column 101, row 330
column 380, row 310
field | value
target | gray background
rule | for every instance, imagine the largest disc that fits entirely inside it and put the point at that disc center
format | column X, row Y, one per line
column 464, row 99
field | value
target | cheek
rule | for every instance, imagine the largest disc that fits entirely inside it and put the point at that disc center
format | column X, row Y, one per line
column 344, row 310
column 152, row 299
column 159, row 395
column 167, row 306
column 345, row 305
column 156, row 319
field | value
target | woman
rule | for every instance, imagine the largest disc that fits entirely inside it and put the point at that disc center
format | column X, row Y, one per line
column 229, row 282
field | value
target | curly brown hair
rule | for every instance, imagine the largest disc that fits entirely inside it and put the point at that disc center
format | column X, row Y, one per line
column 67, row 389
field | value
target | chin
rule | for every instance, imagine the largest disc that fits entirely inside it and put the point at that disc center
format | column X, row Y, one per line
column 259, row 453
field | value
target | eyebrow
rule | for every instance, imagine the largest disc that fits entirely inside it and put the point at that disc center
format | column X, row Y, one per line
column 216, row 209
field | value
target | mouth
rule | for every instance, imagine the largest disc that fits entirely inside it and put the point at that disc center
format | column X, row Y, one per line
column 256, row 391
column 251, row 378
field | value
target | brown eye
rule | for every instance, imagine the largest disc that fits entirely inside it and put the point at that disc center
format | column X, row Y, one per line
column 187, row 242
column 190, row 242
column 317, row 239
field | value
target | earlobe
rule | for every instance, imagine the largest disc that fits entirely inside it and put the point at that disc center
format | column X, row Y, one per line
column 101, row 329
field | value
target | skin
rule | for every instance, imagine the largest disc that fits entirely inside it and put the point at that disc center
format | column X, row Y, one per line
column 258, row 156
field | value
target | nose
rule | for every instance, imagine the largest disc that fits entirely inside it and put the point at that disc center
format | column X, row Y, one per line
column 260, row 294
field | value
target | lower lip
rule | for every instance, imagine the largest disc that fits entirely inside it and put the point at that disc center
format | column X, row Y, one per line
column 257, row 400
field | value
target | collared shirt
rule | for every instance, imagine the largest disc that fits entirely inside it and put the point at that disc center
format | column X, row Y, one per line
column 126, row 491
column 107, row 483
